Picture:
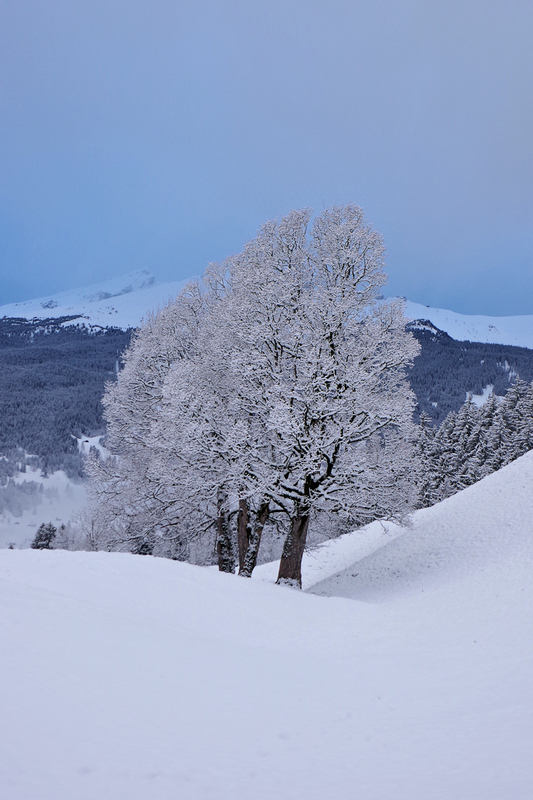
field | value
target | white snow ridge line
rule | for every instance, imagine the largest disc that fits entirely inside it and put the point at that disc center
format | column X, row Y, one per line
column 124, row 301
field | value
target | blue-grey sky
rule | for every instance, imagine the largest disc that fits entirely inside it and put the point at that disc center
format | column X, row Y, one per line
column 160, row 134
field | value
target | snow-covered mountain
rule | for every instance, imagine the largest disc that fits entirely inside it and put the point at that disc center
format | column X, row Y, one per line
column 119, row 302
column 135, row 677
column 516, row 331
column 123, row 302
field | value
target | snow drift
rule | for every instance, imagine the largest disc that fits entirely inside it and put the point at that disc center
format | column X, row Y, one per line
column 133, row 677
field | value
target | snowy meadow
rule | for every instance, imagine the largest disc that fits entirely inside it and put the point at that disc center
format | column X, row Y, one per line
column 141, row 678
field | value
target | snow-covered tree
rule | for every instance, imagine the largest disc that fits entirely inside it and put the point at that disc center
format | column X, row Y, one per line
column 322, row 365
column 290, row 399
column 129, row 510
column 298, row 402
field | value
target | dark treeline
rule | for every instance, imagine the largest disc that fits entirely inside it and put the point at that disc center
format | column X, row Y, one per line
column 474, row 442
column 447, row 369
column 52, row 377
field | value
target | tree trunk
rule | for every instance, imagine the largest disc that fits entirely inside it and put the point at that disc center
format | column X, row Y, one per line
column 254, row 540
column 243, row 532
column 226, row 557
column 290, row 566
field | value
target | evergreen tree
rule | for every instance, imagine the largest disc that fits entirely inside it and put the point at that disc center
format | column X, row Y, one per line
column 516, row 412
column 44, row 537
column 473, row 443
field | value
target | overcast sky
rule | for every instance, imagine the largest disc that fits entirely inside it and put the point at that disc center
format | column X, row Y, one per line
column 160, row 134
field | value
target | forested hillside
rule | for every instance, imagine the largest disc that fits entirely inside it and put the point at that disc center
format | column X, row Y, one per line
column 53, row 374
column 446, row 370
column 52, row 379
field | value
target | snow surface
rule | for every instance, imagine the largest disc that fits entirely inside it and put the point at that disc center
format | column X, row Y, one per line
column 87, row 442
column 124, row 301
column 135, row 678
column 480, row 399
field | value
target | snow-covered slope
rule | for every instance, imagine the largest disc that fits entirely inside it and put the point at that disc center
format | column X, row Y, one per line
column 124, row 301
column 477, row 530
column 497, row 330
column 121, row 302
column 134, row 677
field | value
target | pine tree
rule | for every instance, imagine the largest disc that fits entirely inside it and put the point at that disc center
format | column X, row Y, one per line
column 516, row 416
column 473, row 443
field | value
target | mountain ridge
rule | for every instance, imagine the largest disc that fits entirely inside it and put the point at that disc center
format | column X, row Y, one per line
column 120, row 302
column 124, row 301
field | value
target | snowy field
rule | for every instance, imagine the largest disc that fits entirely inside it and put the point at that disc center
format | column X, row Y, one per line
column 403, row 673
